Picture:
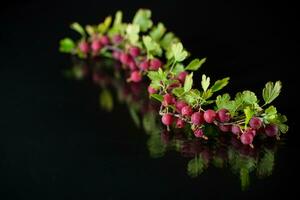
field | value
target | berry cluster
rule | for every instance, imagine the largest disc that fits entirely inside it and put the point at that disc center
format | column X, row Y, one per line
column 145, row 49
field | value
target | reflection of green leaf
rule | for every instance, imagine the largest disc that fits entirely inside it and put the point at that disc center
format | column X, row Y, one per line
column 66, row 45
column 149, row 122
column 195, row 166
column 266, row 164
column 134, row 116
column 245, row 178
column 155, row 146
column 106, row 100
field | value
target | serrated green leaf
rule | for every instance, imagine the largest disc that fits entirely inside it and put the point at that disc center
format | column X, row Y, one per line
column 249, row 97
column 103, row 27
column 271, row 91
column 157, row 97
column 248, row 115
column 143, row 19
column 178, row 68
column 207, row 94
column 157, row 32
column 154, row 76
column 178, row 52
column 205, row 82
column 132, row 32
column 66, row 45
column 220, row 84
column 167, row 40
column 270, row 113
column 78, row 28
column 152, row 47
column 195, row 64
column 178, row 92
column 188, row 82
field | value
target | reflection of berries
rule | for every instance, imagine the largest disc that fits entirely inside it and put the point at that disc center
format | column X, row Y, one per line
column 236, row 130
column 181, row 76
column 186, row 111
column 151, row 90
column 223, row 115
column 197, row 118
column 167, row 119
column 225, row 128
column 255, row 123
column 134, row 51
column 271, row 130
column 155, row 64
column 180, row 123
column 84, row 47
column 198, row 132
column 136, row 76
column 209, row 116
column 246, row 138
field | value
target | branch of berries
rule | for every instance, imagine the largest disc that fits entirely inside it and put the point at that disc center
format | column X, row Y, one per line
column 145, row 49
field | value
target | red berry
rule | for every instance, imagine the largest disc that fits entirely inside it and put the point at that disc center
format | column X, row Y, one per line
column 271, row 130
column 198, row 133
column 84, row 47
column 180, row 123
column 125, row 58
column 197, row 118
column 246, row 138
column 209, row 116
column 223, row 115
column 255, row 123
column 225, row 128
column 117, row 39
column 179, row 105
column 235, row 129
column 134, row 51
column 168, row 99
column 167, row 119
column 186, row 111
column 96, row 45
column 181, row 76
column 151, row 90
column 136, row 76
column 155, row 64
column 104, row 40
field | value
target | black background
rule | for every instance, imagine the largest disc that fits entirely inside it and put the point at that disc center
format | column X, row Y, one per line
column 55, row 143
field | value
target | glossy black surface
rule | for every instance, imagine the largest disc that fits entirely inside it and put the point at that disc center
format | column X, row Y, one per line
column 55, row 141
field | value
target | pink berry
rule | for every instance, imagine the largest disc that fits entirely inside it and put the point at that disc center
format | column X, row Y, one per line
column 223, row 115
column 84, row 47
column 246, row 138
column 255, row 123
column 116, row 55
column 167, row 119
column 197, row 118
column 251, row 131
column 151, row 90
column 117, row 39
column 168, row 99
column 96, row 45
column 235, row 129
column 144, row 65
column 209, row 116
column 136, row 76
column 125, row 58
column 132, row 65
column 179, row 105
column 180, row 123
column 134, row 51
column 181, row 76
column 271, row 130
column 186, row 111
column 225, row 128
column 155, row 64
column 104, row 40
column 198, row 132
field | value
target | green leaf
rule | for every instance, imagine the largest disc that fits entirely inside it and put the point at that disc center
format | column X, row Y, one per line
column 188, row 82
column 66, row 45
column 132, row 32
column 106, row 100
column 271, row 91
column 178, row 68
column 154, row 76
column 142, row 18
column 205, row 82
column 195, row 64
column 279, row 121
column 118, row 18
column 78, row 28
column 157, row 32
column 207, row 94
column 220, row 84
column 270, row 113
column 178, row 91
column 178, row 52
column 248, row 113
column 152, row 47
column 103, row 27
column 167, row 41
column 157, row 97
